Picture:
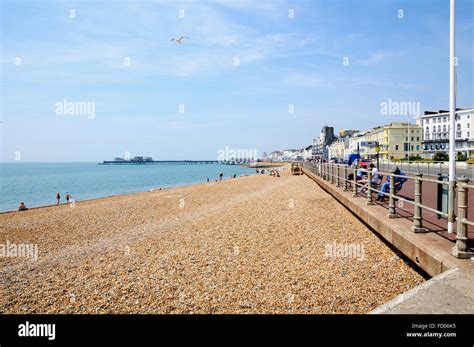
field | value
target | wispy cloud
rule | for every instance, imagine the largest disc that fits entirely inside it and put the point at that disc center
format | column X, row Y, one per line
column 377, row 58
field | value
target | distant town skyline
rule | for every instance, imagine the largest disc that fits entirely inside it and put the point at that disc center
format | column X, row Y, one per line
column 90, row 81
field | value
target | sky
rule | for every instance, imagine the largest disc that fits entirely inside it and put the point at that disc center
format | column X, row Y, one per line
column 259, row 75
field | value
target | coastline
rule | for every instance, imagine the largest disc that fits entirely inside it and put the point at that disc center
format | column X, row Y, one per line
column 122, row 195
column 178, row 183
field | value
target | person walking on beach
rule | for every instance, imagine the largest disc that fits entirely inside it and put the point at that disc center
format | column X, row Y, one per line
column 68, row 196
column 221, row 175
column 58, row 198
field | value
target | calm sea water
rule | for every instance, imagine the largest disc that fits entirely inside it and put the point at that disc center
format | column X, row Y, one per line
column 37, row 183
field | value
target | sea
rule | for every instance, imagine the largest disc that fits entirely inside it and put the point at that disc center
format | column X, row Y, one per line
column 36, row 184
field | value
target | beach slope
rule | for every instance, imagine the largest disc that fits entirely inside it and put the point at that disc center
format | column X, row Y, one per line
column 247, row 245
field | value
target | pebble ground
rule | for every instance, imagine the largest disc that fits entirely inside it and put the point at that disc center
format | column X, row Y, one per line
column 248, row 245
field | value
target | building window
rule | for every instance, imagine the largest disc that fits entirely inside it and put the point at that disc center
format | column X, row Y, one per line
column 468, row 134
column 417, row 138
column 434, row 128
column 396, row 147
column 458, row 127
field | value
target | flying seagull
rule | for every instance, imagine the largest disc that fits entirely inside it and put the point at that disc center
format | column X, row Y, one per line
column 180, row 39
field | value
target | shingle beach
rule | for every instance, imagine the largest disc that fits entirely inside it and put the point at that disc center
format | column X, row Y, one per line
column 253, row 244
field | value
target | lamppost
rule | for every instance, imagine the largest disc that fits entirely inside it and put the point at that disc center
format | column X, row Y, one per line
column 452, row 114
column 408, row 138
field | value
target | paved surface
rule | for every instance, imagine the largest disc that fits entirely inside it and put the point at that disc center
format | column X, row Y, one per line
column 430, row 219
column 448, row 293
column 462, row 169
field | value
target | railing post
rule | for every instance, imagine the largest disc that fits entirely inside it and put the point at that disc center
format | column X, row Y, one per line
column 337, row 176
column 345, row 178
column 417, row 216
column 354, row 183
column 332, row 173
column 461, row 250
column 391, row 201
column 369, row 189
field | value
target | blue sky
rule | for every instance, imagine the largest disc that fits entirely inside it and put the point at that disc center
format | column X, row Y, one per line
column 283, row 61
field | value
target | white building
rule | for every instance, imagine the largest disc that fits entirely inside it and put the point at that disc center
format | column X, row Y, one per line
column 326, row 137
column 357, row 142
column 436, row 132
column 274, row 155
column 336, row 150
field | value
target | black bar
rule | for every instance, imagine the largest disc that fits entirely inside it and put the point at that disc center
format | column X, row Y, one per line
column 296, row 330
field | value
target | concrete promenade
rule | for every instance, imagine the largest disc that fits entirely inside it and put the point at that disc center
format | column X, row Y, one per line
column 450, row 290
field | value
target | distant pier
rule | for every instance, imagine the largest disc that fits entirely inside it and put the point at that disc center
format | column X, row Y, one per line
column 158, row 162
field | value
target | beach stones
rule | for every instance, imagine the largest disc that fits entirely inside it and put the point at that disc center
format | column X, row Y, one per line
column 234, row 247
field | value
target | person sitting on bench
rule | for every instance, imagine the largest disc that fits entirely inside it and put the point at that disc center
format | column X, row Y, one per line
column 398, row 182
column 375, row 178
column 359, row 174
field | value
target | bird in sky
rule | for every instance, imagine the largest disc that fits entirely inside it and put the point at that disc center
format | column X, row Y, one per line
column 180, row 39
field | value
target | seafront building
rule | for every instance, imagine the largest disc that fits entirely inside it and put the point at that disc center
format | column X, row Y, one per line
column 436, row 132
column 275, row 155
column 306, row 153
column 397, row 140
column 337, row 149
column 346, row 133
column 321, row 143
